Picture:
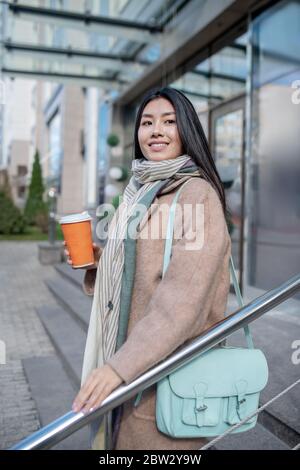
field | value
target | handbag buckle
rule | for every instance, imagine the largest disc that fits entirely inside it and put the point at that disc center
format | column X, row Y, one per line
column 240, row 408
column 201, row 408
column 200, row 390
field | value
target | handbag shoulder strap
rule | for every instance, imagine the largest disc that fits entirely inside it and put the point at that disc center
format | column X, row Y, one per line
column 168, row 252
column 240, row 302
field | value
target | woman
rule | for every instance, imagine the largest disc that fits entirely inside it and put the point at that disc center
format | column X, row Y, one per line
column 138, row 319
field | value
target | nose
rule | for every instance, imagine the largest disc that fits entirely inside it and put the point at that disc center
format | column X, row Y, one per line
column 157, row 129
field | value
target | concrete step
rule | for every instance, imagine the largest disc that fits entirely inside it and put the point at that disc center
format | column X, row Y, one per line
column 72, row 299
column 274, row 337
column 258, row 438
column 74, row 275
column 68, row 338
column 54, row 394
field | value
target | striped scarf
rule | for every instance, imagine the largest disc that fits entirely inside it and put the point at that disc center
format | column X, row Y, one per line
column 104, row 319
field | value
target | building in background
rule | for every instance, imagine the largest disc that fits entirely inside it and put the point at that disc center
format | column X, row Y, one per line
column 63, row 160
column 17, row 142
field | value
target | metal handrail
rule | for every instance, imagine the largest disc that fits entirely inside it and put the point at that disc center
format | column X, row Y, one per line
column 67, row 424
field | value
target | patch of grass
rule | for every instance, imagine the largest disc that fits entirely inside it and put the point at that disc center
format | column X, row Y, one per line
column 32, row 233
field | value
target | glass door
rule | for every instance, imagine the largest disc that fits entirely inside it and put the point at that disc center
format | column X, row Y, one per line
column 227, row 144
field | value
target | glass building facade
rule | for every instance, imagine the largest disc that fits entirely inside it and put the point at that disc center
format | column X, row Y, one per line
column 217, row 89
column 274, row 205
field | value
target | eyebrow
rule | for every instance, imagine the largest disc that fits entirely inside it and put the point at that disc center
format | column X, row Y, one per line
column 163, row 114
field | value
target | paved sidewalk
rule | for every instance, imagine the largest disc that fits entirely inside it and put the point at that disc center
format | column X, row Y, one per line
column 22, row 290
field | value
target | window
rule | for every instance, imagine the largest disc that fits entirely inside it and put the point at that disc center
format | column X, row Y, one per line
column 55, row 151
column 22, row 170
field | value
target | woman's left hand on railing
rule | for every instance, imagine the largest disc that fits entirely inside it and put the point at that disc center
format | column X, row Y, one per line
column 99, row 385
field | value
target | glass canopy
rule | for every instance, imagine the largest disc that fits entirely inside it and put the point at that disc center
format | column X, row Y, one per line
column 108, row 44
column 217, row 78
column 88, row 42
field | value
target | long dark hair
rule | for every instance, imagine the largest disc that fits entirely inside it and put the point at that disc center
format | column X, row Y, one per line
column 191, row 133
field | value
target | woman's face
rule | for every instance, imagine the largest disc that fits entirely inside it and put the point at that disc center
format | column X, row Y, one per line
column 158, row 134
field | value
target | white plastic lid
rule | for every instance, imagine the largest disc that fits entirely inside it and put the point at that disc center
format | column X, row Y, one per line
column 72, row 218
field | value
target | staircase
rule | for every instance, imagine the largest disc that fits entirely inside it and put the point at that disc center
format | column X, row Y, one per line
column 278, row 427
column 59, row 377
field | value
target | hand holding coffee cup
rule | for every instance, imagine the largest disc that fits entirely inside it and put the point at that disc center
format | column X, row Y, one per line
column 97, row 254
column 77, row 233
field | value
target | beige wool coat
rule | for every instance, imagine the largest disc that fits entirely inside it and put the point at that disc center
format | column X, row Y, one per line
column 167, row 313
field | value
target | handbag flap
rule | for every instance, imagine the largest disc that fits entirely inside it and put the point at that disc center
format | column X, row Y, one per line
column 221, row 370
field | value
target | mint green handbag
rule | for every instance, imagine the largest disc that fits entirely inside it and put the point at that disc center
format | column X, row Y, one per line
column 214, row 391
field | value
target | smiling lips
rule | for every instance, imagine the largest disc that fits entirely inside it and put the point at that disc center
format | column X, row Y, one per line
column 158, row 146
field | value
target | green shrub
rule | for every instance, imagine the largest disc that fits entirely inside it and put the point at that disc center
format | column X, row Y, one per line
column 11, row 219
column 35, row 203
column 5, row 185
column 113, row 140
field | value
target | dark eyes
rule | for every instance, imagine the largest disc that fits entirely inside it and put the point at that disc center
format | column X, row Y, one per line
column 168, row 121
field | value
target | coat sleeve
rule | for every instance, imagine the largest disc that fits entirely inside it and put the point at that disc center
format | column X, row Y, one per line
column 89, row 281
column 180, row 305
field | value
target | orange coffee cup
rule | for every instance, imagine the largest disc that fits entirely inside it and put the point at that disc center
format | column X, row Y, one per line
column 77, row 233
